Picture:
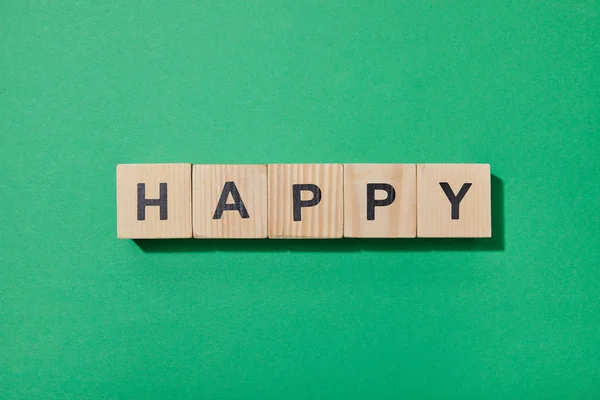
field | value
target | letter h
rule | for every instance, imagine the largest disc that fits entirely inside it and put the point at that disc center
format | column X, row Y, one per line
column 143, row 202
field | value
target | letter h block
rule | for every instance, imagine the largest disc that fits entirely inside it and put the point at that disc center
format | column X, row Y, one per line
column 454, row 201
column 154, row 201
column 306, row 201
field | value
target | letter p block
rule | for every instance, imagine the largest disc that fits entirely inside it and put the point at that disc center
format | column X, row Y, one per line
column 380, row 200
column 154, row 201
column 306, row 201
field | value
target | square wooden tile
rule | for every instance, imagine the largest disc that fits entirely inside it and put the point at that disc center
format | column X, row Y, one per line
column 380, row 200
column 454, row 200
column 154, row 201
column 229, row 201
column 306, row 201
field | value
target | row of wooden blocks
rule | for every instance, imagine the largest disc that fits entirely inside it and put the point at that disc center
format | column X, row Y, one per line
column 303, row 200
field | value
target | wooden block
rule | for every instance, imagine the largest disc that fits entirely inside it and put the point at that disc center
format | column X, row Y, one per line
column 229, row 201
column 306, row 201
column 454, row 200
column 380, row 200
column 154, row 201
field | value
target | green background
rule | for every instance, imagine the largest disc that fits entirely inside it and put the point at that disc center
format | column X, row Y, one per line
column 86, row 85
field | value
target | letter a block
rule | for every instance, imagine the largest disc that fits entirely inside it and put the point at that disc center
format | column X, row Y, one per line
column 229, row 201
column 154, row 201
column 454, row 200
column 380, row 200
column 306, row 201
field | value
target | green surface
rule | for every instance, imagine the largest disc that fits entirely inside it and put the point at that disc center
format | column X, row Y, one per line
column 87, row 85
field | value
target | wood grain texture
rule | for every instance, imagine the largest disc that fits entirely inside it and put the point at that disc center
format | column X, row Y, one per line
column 434, row 210
column 208, row 183
column 178, row 179
column 324, row 220
column 396, row 220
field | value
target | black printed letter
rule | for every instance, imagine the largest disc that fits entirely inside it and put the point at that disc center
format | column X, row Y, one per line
column 237, row 205
column 143, row 202
column 298, row 203
column 372, row 203
column 455, row 200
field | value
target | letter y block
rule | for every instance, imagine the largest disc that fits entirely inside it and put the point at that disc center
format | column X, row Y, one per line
column 454, row 200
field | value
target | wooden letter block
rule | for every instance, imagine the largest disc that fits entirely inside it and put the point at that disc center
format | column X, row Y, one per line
column 306, row 201
column 154, row 201
column 380, row 200
column 230, row 201
column 454, row 200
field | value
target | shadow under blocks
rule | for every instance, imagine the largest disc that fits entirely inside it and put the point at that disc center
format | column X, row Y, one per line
column 495, row 243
